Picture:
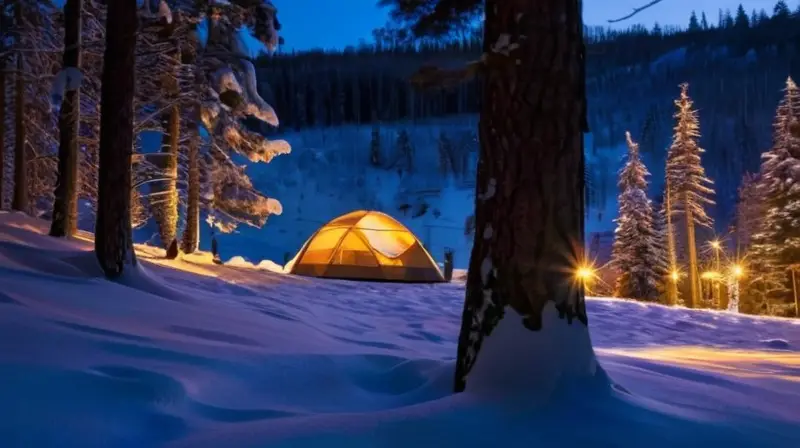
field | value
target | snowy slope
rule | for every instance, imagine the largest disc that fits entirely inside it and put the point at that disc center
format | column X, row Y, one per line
column 193, row 354
column 328, row 174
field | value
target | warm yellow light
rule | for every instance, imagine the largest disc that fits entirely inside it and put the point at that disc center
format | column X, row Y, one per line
column 709, row 275
column 716, row 244
column 737, row 270
column 675, row 276
column 585, row 273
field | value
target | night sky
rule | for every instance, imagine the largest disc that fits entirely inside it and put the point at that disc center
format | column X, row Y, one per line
column 337, row 23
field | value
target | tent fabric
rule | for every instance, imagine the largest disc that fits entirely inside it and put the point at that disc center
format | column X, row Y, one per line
column 366, row 245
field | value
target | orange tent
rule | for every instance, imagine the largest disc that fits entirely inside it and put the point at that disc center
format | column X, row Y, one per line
column 365, row 245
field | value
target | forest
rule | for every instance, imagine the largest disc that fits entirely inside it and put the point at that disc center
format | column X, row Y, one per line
column 194, row 87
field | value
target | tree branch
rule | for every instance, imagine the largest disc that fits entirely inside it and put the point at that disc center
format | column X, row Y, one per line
column 636, row 11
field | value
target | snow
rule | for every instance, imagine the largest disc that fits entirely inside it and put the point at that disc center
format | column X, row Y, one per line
column 187, row 353
column 328, row 174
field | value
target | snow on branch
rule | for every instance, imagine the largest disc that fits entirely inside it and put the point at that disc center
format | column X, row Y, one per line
column 67, row 80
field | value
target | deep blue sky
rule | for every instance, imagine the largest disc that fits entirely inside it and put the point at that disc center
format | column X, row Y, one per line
column 337, row 23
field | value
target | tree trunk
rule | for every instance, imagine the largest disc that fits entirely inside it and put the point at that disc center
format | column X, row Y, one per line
column 690, row 240
column 529, row 207
column 19, row 201
column 113, row 238
column 2, row 128
column 165, row 205
column 191, row 234
column 672, row 283
column 65, row 206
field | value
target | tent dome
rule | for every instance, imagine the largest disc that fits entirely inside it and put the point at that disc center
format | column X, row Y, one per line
column 365, row 245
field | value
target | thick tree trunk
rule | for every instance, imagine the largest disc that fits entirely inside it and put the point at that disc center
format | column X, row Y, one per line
column 113, row 237
column 19, row 201
column 165, row 193
column 693, row 299
column 191, row 234
column 529, row 207
column 65, row 206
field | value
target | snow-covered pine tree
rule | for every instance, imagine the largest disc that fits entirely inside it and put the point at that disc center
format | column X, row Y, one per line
column 661, row 246
column 226, row 77
column 775, row 247
column 158, row 99
column 34, row 47
column 635, row 254
column 689, row 189
column 524, row 329
column 749, row 212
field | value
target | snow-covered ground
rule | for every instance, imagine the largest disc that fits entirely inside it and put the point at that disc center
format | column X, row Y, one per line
column 191, row 354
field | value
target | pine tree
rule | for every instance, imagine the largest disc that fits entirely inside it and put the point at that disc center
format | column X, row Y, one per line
column 741, row 20
column 749, row 212
column 703, row 21
column 522, row 300
column 635, row 251
column 688, row 185
column 776, row 246
column 694, row 25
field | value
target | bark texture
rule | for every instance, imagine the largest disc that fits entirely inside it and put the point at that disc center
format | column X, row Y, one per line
column 165, row 193
column 113, row 237
column 65, row 206
column 191, row 234
column 530, row 186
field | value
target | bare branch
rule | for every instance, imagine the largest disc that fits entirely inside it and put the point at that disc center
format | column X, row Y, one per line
column 636, row 11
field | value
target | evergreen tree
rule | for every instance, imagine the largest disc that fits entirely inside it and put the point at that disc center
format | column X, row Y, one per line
column 703, row 21
column 688, row 185
column 741, row 20
column 522, row 283
column 781, row 11
column 635, row 254
column 776, row 246
column 694, row 25
column 749, row 212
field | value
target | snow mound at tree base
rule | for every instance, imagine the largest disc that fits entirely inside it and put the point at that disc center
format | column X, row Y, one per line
column 257, row 359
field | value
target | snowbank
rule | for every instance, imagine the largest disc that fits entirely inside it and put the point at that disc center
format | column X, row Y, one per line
column 193, row 354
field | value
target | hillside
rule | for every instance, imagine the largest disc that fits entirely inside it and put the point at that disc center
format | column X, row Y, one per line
column 736, row 71
column 329, row 174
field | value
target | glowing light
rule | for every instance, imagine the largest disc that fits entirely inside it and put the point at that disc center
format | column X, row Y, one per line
column 716, row 245
column 585, row 273
column 675, row 276
column 710, row 275
column 737, row 271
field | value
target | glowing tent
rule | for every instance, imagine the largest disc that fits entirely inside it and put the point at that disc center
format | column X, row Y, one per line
column 365, row 245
